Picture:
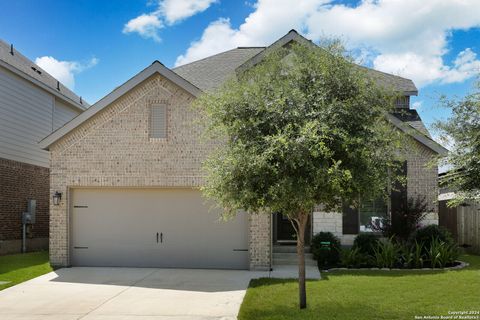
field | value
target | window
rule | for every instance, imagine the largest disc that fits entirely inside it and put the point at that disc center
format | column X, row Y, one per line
column 372, row 214
column 403, row 102
column 158, row 121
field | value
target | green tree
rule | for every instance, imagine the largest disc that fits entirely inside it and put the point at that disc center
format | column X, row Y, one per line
column 303, row 127
column 462, row 129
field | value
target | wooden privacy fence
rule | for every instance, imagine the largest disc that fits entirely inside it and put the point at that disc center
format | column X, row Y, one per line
column 463, row 222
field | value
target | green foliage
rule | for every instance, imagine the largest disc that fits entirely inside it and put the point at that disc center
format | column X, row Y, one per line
column 417, row 255
column 462, row 132
column 440, row 253
column 353, row 258
column 425, row 235
column 366, row 243
column 386, row 254
column 406, row 220
column 305, row 126
column 406, row 255
column 411, row 255
column 326, row 256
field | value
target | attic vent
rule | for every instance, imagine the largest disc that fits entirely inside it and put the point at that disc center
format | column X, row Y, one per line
column 158, row 121
column 11, row 49
column 36, row 70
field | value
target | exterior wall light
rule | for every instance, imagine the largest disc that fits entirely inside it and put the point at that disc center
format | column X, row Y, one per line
column 56, row 198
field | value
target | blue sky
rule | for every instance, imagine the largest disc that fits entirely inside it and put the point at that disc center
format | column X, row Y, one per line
column 94, row 46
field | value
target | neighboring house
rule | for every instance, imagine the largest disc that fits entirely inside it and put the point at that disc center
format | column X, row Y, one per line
column 32, row 105
column 129, row 169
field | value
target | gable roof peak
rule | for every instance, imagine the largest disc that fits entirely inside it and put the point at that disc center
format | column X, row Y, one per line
column 156, row 61
column 154, row 68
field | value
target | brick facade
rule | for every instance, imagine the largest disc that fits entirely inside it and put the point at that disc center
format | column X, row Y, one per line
column 422, row 180
column 20, row 182
column 113, row 149
column 260, row 241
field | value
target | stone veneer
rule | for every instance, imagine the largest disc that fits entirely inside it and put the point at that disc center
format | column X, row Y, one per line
column 113, row 149
column 422, row 180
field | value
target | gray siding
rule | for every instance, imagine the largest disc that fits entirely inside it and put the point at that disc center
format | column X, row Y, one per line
column 62, row 114
column 26, row 117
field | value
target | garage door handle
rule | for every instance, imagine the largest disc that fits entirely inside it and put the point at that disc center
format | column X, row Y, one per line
column 157, row 237
column 161, row 237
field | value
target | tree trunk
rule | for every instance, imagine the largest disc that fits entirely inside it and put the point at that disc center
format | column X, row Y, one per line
column 301, row 226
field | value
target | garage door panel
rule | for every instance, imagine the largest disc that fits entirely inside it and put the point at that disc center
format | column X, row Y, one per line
column 118, row 227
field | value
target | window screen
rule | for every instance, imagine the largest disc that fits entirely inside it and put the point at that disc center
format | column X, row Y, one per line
column 158, row 121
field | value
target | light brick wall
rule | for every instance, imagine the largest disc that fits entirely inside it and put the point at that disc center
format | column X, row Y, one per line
column 327, row 222
column 260, row 241
column 113, row 149
column 422, row 180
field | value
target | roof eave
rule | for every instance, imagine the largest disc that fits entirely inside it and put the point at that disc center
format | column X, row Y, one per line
column 155, row 67
column 40, row 84
column 417, row 135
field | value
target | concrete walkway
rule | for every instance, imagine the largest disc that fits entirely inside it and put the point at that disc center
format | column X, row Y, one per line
column 132, row 293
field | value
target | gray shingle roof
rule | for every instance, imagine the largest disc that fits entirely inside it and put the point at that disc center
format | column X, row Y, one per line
column 394, row 82
column 211, row 72
column 23, row 66
column 411, row 117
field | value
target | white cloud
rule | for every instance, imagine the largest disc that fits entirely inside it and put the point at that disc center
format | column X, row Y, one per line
column 145, row 25
column 168, row 12
column 417, row 105
column 176, row 10
column 405, row 37
column 64, row 71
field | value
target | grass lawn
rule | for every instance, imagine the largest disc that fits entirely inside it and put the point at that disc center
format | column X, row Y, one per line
column 368, row 295
column 18, row 268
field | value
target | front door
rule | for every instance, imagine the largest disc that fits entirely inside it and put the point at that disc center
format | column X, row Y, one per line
column 284, row 233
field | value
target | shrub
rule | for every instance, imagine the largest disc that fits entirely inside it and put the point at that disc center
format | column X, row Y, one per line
column 412, row 255
column 427, row 234
column 405, row 220
column 386, row 254
column 326, row 257
column 441, row 254
column 418, row 257
column 353, row 258
column 366, row 242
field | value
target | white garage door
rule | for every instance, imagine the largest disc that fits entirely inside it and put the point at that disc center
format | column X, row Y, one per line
column 154, row 228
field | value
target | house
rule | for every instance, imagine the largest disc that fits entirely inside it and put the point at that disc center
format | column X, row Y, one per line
column 32, row 105
column 128, row 170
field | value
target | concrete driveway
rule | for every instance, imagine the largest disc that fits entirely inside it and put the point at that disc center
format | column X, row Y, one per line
column 128, row 293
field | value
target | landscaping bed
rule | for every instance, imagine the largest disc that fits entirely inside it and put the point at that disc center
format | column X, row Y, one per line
column 429, row 247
